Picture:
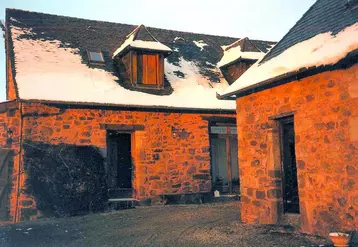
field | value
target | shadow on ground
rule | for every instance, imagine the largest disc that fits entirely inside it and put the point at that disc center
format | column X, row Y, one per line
column 176, row 225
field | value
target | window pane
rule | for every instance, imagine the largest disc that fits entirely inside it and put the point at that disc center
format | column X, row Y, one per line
column 96, row 56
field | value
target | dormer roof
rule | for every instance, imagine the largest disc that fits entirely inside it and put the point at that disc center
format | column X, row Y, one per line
column 240, row 49
column 141, row 38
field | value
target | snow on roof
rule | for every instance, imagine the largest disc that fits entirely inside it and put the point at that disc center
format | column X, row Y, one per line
column 322, row 49
column 236, row 51
column 201, row 44
column 178, row 38
column 50, row 71
column 131, row 41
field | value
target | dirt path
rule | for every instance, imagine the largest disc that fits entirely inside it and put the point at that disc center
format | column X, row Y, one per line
column 182, row 225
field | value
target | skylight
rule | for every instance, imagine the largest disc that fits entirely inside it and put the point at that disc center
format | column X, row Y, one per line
column 95, row 57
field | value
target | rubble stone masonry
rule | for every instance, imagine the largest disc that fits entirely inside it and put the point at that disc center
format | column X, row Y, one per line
column 170, row 151
column 325, row 110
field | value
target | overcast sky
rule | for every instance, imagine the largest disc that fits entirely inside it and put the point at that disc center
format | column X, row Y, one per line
column 256, row 19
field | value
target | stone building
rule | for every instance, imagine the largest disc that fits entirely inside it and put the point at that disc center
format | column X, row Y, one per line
column 145, row 98
column 297, row 118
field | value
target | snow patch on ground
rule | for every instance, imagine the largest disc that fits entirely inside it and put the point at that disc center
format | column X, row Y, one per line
column 323, row 49
column 47, row 71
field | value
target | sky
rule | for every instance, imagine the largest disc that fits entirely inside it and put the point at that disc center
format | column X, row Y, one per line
column 256, row 19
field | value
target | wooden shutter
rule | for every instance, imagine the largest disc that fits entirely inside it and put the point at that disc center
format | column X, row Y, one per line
column 151, row 70
column 133, row 71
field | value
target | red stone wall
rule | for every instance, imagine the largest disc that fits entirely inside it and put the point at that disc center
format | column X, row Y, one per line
column 326, row 129
column 165, row 163
column 10, row 122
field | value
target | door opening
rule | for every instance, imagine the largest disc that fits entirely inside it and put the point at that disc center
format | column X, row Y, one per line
column 119, row 167
column 289, row 168
column 224, row 159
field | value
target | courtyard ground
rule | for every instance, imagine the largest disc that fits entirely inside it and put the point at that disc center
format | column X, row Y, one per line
column 215, row 224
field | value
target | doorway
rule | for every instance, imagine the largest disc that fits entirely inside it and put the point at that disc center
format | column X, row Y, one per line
column 224, row 159
column 119, row 165
column 289, row 168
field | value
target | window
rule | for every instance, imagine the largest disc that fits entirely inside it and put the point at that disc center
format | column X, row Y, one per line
column 224, row 158
column 148, row 69
column 95, row 57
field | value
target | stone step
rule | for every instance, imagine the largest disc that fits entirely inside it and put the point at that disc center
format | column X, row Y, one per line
column 121, row 203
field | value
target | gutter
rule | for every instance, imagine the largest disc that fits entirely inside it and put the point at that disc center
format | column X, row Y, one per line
column 70, row 104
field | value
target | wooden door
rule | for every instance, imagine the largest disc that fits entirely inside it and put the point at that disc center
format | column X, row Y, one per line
column 119, row 172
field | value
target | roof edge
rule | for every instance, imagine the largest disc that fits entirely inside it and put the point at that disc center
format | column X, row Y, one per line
column 10, row 54
column 346, row 62
column 238, row 60
column 73, row 104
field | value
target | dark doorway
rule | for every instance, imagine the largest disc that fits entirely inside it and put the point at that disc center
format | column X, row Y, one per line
column 119, row 172
column 6, row 162
column 290, row 187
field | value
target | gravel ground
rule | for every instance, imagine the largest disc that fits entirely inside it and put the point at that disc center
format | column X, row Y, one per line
column 175, row 225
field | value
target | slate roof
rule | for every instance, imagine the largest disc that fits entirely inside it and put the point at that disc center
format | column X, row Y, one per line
column 81, row 35
column 325, row 38
column 323, row 16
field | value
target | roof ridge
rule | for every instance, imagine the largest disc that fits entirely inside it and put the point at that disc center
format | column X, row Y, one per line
column 7, row 10
column 289, row 31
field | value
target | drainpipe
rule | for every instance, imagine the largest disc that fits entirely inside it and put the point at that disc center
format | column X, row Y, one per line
column 16, row 217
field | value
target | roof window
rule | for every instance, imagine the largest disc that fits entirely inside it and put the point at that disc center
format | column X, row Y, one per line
column 95, row 57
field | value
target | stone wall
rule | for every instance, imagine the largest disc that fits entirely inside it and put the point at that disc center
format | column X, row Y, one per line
column 9, row 140
column 326, row 133
column 170, row 151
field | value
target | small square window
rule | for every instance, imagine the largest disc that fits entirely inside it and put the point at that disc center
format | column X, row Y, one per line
column 95, row 57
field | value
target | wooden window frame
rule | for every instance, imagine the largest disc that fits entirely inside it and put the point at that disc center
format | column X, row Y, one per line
column 102, row 62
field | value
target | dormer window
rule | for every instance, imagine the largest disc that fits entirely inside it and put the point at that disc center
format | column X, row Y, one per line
column 140, row 59
column 238, row 57
column 95, row 57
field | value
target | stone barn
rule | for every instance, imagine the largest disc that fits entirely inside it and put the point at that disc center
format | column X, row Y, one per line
column 297, row 118
column 133, row 108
